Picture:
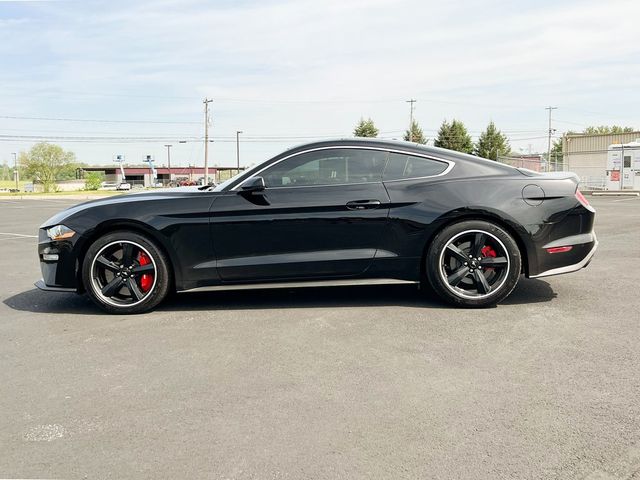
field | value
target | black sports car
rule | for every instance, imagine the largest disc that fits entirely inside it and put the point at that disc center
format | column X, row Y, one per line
column 333, row 212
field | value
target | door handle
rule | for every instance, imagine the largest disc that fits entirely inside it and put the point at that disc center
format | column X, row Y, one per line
column 363, row 204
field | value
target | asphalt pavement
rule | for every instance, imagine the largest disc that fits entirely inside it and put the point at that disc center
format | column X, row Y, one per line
column 324, row 383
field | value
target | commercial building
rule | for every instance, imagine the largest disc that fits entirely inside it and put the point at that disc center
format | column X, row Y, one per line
column 144, row 176
column 594, row 159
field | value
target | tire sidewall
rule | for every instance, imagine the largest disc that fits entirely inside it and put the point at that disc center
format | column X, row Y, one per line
column 160, row 288
column 440, row 241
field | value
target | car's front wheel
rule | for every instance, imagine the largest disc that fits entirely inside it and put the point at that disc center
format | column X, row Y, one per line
column 473, row 263
column 124, row 272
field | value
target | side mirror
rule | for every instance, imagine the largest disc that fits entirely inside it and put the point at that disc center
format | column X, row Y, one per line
column 253, row 184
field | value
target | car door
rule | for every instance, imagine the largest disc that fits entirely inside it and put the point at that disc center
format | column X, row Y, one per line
column 321, row 214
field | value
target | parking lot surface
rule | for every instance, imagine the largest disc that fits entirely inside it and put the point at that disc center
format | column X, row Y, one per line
column 324, row 383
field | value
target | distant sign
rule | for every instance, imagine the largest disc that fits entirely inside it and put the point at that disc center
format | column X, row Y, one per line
column 615, row 175
column 118, row 158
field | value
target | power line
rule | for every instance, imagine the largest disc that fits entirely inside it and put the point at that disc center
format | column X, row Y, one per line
column 197, row 139
column 87, row 120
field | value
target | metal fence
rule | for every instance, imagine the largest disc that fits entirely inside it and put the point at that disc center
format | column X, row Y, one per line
column 616, row 168
column 535, row 163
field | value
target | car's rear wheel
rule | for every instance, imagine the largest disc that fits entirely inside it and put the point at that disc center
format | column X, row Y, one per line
column 125, row 272
column 473, row 263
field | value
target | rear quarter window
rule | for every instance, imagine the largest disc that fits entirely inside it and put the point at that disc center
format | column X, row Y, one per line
column 401, row 166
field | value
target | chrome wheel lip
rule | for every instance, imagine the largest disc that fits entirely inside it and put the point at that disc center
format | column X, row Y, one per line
column 98, row 291
column 460, row 292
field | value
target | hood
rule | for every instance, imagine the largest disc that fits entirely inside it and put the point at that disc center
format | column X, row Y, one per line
column 122, row 199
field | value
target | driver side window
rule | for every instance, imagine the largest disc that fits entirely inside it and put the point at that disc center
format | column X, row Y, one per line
column 327, row 167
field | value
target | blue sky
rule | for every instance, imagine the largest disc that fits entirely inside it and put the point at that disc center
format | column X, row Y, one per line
column 287, row 71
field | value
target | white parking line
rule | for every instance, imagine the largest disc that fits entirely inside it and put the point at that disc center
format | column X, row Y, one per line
column 6, row 239
column 20, row 235
column 627, row 199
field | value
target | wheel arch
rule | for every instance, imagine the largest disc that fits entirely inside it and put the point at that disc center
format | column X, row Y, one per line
column 131, row 226
column 512, row 228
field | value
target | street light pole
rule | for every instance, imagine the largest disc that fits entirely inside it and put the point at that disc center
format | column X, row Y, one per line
column 169, row 160
column 16, row 173
column 238, row 132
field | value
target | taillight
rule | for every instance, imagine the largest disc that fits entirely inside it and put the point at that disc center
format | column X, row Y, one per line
column 581, row 198
column 559, row 249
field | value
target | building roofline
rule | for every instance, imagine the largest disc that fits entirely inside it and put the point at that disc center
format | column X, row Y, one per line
column 579, row 135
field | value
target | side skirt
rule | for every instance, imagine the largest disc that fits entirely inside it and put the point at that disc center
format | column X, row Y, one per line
column 319, row 283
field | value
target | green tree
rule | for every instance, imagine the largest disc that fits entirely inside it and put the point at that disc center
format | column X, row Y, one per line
column 454, row 136
column 416, row 135
column 555, row 155
column 93, row 180
column 68, row 172
column 366, row 128
column 492, row 143
column 44, row 162
column 606, row 130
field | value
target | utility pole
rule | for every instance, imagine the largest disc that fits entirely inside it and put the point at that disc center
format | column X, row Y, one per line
column 238, row 132
column 412, row 101
column 551, row 130
column 206, row 102
column 16, row 173
column 169, row 160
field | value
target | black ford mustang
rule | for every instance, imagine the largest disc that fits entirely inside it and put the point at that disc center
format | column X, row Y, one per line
column 334, row 212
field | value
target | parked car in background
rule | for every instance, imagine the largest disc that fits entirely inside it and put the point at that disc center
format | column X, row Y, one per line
column 328, row 213
column 108, row 186
column 124, row 186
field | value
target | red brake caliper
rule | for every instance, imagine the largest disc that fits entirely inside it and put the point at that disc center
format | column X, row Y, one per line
column 146, row 280
column 487, row 251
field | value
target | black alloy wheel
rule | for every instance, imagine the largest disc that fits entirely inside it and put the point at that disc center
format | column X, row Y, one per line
column 124, row 272
column 473, row 263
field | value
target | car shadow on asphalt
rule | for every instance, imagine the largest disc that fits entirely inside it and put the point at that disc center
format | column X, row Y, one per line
column 527, row 291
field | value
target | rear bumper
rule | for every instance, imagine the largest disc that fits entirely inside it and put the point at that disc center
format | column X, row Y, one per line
column 591, row 245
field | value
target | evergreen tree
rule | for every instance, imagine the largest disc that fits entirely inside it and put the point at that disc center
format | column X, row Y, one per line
column 454, row 136
column 492, row 143
column 416, row 135
column 366, row 128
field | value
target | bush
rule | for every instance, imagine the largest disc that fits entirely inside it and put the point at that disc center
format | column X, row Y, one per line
column 93, row 180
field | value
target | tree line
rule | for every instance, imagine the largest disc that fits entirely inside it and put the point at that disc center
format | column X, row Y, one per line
column 453, row 135
column 48, row 163
column 491, row 143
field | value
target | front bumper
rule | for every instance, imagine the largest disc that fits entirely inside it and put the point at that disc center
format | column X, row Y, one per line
column 43, row 286
column 576, row 263
column 60, row 274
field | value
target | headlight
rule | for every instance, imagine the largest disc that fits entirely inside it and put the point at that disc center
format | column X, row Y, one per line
column 60, row 232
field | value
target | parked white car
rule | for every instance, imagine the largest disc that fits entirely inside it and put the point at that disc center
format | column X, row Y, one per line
column 108, row 186
column 124, row 186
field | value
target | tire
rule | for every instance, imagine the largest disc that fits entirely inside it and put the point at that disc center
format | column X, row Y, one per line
column 473, row 263
column 125, row 272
